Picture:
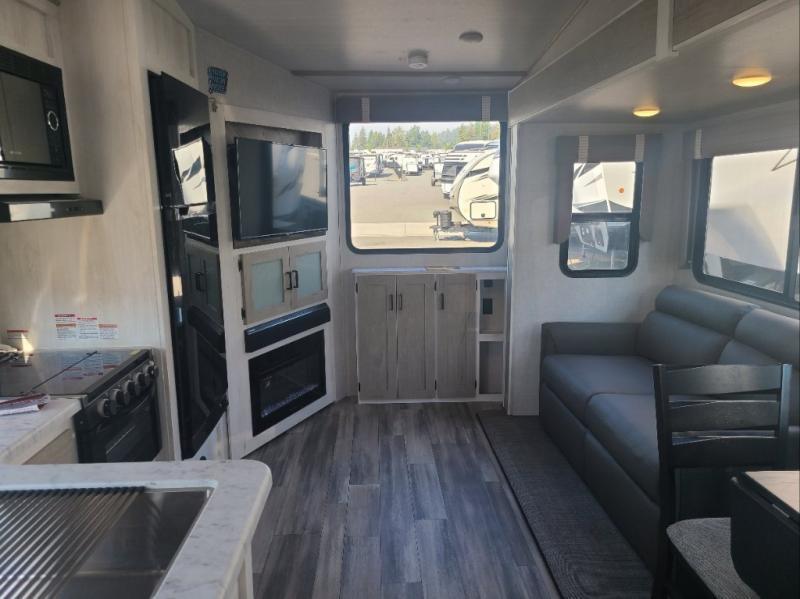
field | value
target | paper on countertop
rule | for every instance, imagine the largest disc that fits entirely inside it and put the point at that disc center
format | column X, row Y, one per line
column 22, row 404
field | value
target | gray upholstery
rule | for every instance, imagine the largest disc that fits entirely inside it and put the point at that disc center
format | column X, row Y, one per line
column 772, row 334
column 597, row 399
column 575, row 379
column 605, row 338
column 705, row 545
column 626, row 426
column 711, row 311
column 667, row 339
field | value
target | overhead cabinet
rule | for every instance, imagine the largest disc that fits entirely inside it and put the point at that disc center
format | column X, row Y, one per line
column 416, row 336
column 280, row 280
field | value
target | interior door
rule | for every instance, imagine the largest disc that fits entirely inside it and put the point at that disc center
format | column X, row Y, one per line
column 307, row 267
column 376, row 326
column 415, row 337
column 266, row 285
column 455, row 335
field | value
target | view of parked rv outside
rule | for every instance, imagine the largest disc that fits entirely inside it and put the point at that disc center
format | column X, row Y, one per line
column 749, row 219
column 424, row 185
column 597, row 242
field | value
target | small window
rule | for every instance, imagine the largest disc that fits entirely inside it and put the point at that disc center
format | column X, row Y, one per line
column 747, row 233
column 604, row 232
column 424, row 187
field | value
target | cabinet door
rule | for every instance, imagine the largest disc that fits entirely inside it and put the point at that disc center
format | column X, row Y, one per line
column 265, row 284
column 415, row 337
column 309, row 273
column 455, row 335
column 376, row 326
column 202, row 289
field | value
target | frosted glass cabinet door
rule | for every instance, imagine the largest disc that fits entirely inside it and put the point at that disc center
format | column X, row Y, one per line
column 265, row 284
column 309, row 273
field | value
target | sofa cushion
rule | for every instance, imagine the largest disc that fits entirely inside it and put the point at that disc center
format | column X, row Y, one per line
column 708, row 310
column 576, row 378
column 626, row 426
column 667, row 339
column 689, row 326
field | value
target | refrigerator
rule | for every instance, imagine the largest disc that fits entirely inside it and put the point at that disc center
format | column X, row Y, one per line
column 182, row 134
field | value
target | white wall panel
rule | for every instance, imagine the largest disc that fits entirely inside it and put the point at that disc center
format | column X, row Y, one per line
column 540, row 292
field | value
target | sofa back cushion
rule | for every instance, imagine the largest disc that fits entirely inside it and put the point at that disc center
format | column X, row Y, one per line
column 763, row 337
column 689, row 326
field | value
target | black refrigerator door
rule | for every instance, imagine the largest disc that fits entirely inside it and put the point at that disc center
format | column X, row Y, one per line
column 181, row 130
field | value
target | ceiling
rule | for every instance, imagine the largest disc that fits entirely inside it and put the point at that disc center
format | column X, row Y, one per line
column 695, row 84
column 332, row 41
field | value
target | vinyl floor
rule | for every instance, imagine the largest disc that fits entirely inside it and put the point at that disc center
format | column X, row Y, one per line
column 392, row 501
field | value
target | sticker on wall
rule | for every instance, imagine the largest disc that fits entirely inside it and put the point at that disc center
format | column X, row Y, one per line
column 217, row 80
column 66, row 326
column 88, row 329
column 108, row 331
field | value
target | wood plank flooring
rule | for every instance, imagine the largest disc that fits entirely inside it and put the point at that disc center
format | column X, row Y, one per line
column 392, row 502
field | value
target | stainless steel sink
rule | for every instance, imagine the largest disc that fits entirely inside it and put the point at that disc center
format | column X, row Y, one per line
column 125, row 559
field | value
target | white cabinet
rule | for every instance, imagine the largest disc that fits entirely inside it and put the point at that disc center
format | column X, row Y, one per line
column 278, row 280
column 416, row 336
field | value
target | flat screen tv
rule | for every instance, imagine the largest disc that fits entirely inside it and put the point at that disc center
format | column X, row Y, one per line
column 277, row 190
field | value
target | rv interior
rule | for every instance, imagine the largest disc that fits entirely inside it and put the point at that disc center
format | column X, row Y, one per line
column 361, row 300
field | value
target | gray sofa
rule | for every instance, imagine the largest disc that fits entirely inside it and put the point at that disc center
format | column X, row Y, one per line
column 597, row 400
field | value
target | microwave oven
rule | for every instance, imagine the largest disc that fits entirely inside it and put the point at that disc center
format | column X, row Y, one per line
column 34, row 138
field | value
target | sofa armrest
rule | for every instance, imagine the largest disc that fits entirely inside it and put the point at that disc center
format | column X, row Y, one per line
column 600, row 338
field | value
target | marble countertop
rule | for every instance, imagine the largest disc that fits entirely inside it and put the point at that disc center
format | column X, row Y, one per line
column 23, row 435
column 209, row 560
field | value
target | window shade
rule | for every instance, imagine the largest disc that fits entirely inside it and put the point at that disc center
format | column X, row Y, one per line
column 406, row 108
column 605, row 148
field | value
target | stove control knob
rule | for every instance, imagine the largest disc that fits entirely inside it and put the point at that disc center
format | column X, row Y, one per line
column 139, row 382
column 117, row 396
column 128, row 392
column 107, row 407
column 151, row 369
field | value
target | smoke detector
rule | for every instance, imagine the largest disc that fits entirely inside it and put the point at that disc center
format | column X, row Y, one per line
column 418, row 59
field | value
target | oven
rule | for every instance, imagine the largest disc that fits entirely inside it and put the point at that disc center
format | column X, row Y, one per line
column 119, row 419
column 34, row 139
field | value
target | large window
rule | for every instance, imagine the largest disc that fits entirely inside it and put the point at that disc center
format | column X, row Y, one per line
column 747, row 232
column 604, row 229
column 424, row 187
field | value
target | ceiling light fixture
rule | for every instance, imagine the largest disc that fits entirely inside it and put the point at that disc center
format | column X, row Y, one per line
column 751, row 80
column 471, row 37
column 418, row 59
column 645, row 112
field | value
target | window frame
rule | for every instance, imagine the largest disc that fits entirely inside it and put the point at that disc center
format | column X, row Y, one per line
column 501, row 217
column 702, row 200
column 632, row 217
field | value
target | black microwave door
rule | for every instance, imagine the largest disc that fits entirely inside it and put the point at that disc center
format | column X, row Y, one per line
column 34, row 140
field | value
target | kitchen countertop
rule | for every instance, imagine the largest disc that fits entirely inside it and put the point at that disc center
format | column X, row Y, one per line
column 23, row 435
column 208, row 562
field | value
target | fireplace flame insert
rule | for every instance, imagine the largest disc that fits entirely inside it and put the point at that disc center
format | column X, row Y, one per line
column 286, row 379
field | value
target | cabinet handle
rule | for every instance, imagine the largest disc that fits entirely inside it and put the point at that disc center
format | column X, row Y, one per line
column 289, row 279
column 296, row 276
column 399, row 301
column 391, row 302
column 441, row 301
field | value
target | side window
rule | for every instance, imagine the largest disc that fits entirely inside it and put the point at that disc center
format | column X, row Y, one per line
column 746, row 238
column 604, row 231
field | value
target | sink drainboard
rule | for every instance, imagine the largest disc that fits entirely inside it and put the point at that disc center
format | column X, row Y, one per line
column 98, row 542
column 48, row 533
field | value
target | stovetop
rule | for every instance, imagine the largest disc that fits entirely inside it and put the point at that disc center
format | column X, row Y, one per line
column 60, row 372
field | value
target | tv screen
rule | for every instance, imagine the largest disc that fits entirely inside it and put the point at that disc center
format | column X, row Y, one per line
column 277, row 189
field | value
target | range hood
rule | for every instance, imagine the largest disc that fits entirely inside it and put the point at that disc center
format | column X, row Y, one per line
column 20, row 208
